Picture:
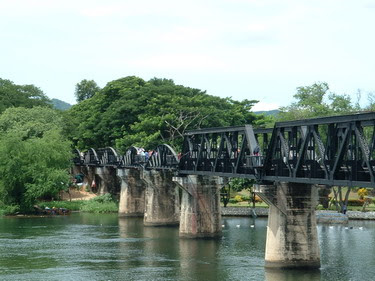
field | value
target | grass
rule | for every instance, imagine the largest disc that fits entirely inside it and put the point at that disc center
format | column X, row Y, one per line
column 70, row 205
column 99, row 204
column 97, row 207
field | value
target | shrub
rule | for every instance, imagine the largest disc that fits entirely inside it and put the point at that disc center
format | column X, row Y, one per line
column 238, row 198
column 246, row 197
column 105, row 198
column 100, row 204
column 6, row 210
column 362, row 192
column 232, row 201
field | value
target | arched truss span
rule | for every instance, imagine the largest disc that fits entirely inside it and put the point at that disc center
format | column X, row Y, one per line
column 91, row 158
column 130, row 158
column 78, row 159
column 164, row 157
column 108, row 156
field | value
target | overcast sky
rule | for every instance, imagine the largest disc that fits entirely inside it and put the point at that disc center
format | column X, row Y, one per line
column 244, row 49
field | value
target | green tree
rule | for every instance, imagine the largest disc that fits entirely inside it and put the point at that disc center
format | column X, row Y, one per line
column 35, row 156
column 86, row 89
column 317, row 101
column 12, row 95
column 131, row 111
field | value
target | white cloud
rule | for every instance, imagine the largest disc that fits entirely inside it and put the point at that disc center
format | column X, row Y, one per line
column 264, row 106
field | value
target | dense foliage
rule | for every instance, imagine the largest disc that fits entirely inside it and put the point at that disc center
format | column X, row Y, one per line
column 12, row 95
column 317, row 101
column 34, row 156
column 86, row 89
column 131, row 111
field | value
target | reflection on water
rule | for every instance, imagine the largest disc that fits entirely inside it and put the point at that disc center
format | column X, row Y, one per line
column 199, row 258
column 291, row 274
column 105, row 247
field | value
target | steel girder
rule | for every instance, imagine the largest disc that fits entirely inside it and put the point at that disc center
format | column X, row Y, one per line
column 337, row 150
column 163, row 157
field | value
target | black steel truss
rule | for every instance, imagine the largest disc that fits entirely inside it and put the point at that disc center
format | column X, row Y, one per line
column 163, row 157
column 336, row 150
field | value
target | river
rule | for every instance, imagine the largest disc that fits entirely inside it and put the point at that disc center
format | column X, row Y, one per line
column 103, row 247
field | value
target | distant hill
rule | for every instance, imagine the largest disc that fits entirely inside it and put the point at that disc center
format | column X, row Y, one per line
column 273, row 112
column 61, row 105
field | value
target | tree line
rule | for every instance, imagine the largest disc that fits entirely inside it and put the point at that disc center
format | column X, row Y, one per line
column 36, row 140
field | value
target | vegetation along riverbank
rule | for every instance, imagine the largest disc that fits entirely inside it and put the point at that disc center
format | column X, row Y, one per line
column 36, row 139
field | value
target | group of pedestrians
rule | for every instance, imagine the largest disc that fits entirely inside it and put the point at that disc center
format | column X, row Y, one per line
column 147, row 154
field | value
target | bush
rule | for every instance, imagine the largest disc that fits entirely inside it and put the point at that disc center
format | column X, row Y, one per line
column 362, row 192
column 232, row 201
column 238, row 198
column 6, row 210
column 100, row 204
column 246, row 197
column 105, row 198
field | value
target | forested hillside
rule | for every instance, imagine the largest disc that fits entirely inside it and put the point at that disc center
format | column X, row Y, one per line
column 60, row 105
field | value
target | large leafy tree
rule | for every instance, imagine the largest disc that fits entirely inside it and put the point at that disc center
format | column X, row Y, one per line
column 131, row 111
column 317, row 101
column 34, row 156
column 86, row 89
column 12, row 95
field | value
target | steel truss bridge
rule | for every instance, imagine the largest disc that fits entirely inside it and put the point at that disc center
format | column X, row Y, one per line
column 337, row 150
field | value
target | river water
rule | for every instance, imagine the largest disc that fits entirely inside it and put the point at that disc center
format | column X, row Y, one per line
column 104, row 247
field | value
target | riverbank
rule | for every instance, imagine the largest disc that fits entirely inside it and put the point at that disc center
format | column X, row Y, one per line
column 263, row 212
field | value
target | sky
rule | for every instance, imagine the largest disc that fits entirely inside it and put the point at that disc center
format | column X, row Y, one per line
column 244, row 49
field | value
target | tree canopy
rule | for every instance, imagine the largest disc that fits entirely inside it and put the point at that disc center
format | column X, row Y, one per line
column 12, row 95
column 34, row 156
column 317, row 101
column 86, row 89
column 132, row 111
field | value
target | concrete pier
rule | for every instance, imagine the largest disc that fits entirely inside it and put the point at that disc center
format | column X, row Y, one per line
column 200, row 206
column 132, row 195
column 107, row 182
column 162, row 204
column 89, row 176
column 292, row 238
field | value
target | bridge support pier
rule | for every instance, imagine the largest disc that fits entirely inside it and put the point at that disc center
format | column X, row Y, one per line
column 162, row 204
column 132, row 195
column 292, row 238
column 200, row 206
column 89, row 176
column 107, row 182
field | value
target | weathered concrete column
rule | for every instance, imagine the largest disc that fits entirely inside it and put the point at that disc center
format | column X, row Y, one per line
column 89, row 176
column 200, row 206
column 162, row 204
column 107, row 183
column 292, row 237
column 132, row 195
column 76, row 170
